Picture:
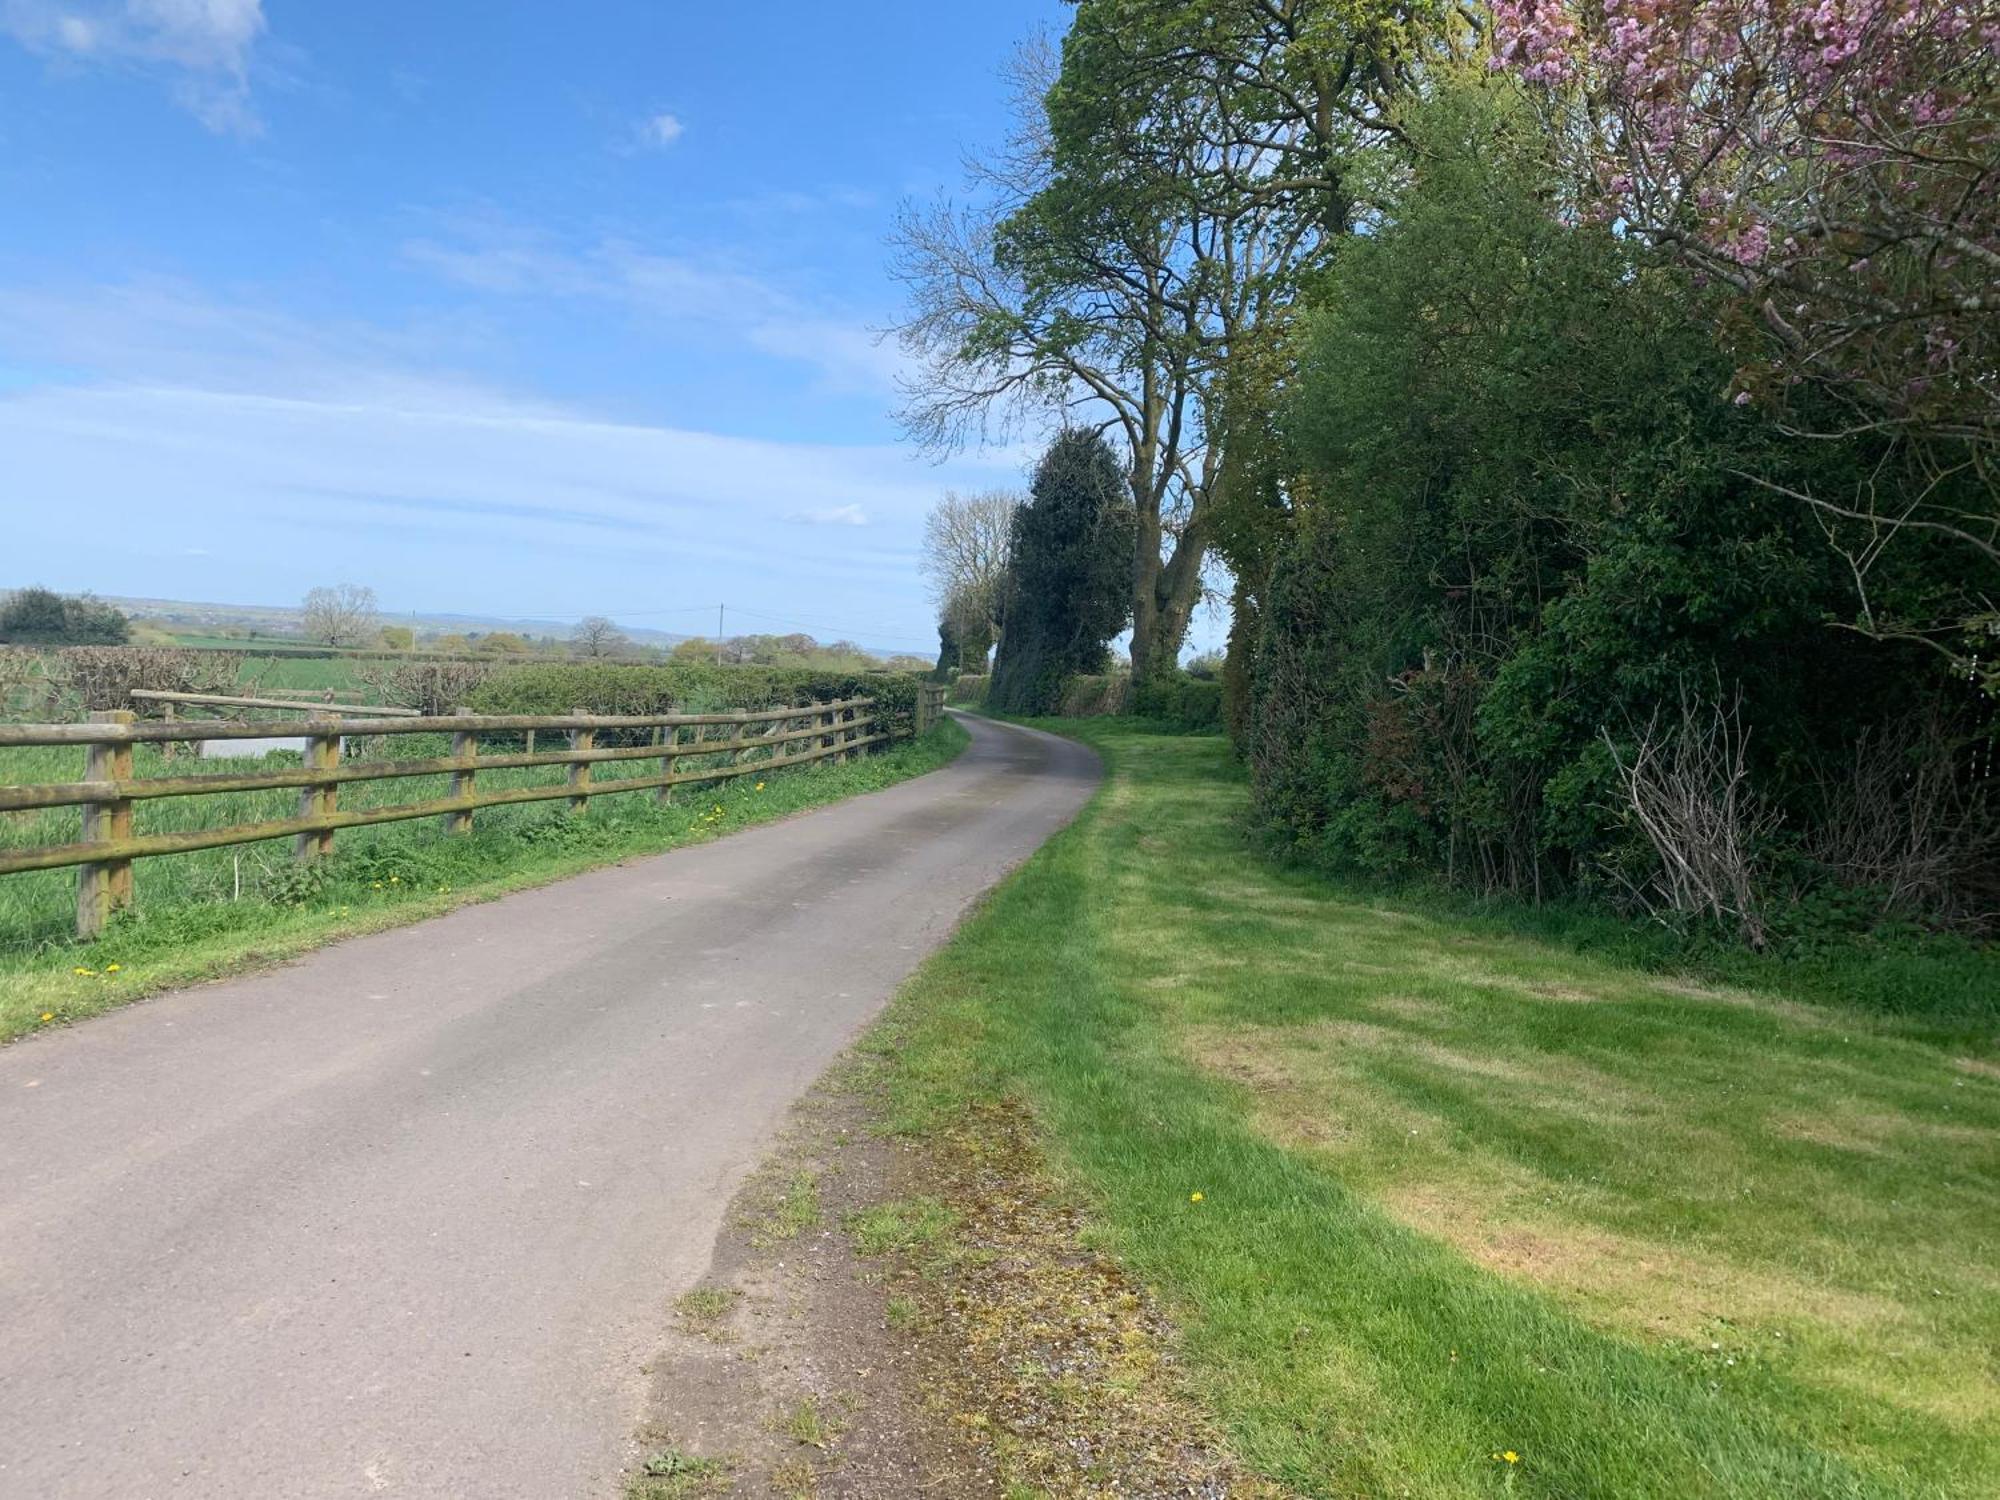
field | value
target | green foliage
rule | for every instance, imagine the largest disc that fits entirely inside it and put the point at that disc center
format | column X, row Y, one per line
column 1528, row 521
column 1182, row 701
column 685, row 687
column 1069, row 579
column 41, row 617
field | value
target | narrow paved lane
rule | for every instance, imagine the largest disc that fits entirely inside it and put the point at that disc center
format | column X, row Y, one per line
column 405, row 1217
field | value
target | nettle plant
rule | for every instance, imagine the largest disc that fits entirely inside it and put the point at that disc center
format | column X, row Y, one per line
column 1832, row 160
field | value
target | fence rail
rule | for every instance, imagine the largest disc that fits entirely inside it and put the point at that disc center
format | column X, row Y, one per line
column 103, row 857
column 172, row 702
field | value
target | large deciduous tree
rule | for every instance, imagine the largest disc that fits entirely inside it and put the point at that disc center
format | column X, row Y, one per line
column 966, row 543
column 594, row 636
column 1173, row 179
column 1067, row 584
column 340, row 615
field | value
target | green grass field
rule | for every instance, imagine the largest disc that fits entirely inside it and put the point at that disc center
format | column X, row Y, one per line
column 278, row 675
column 1452, row 1210
column 208, row 912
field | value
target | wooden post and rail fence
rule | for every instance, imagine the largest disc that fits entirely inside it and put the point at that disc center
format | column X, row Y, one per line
column 103, row 856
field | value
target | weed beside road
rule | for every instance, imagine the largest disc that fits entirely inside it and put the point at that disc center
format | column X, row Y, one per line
column 1446, row 1209
column 218, row 911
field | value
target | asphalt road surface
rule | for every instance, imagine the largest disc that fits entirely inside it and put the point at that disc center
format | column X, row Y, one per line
column 405, row 1217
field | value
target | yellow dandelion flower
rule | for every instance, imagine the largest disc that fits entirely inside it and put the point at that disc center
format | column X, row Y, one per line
column 83, row 971
column 1508, row 1457
column 759, row 786
column 48, row 1015
column 111, row 968
column 1194, row 1197
column 374, row 885
column 395, row 880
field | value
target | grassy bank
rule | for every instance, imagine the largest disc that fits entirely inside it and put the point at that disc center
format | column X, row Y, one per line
column 200, row 915
column 1450, row 1209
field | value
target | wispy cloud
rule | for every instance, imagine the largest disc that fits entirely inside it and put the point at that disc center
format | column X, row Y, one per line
column 507, row 260
column 218, row 442
column 203, row 48
column 835, row 515
column 657, row 132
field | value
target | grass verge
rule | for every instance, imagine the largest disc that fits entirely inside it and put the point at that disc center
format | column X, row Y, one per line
column 191, row 924
column 1447, row 1209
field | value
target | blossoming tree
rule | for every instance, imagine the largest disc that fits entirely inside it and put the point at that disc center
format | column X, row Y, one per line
column 1836, row 162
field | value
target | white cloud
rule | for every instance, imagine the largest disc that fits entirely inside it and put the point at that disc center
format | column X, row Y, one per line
column 657, row 132
column 501, row 259
column 837, row 515
column 204, row 47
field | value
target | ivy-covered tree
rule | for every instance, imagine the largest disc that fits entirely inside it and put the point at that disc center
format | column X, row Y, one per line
column 1068, row 592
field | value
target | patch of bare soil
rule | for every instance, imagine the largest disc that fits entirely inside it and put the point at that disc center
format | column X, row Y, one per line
column 781, row 1374
column 891, row 1318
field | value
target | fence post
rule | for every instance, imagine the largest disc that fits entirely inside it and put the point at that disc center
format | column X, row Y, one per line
column 464, row 746
column 579, row 771
column 666, row 736
column 322, row 754
column 923, row 713
column 102, row 889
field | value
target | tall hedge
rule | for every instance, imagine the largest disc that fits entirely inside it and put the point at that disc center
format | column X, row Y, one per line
column 1531, row 526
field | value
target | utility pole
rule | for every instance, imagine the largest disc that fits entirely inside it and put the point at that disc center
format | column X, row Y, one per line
column 718, row 633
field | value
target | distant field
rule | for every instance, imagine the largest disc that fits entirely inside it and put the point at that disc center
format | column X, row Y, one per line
column 279, row 674
column 264, row 646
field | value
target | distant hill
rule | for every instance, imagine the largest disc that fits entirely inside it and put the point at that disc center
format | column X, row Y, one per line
column 186, row 615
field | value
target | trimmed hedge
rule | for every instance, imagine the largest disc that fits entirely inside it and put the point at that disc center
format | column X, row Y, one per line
column 1190, row 704
column 690, row 688
column 967, row 688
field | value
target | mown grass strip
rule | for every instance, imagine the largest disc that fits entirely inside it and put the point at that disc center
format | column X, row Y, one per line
column 1388, row 1114
column 204, row 915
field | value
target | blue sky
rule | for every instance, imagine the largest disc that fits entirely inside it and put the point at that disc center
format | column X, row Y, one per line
column 499, row 307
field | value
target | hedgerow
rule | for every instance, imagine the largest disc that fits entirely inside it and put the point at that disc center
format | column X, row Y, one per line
column 690, row 688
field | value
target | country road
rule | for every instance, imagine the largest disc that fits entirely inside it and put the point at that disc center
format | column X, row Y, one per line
column 405, row 1217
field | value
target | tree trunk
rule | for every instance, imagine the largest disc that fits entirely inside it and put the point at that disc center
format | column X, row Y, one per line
column 1164, row 595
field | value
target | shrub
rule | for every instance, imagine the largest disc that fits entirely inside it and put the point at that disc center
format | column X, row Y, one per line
column 434, row 687
column 968, row 689
column 42, row 617
column 94, row 677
